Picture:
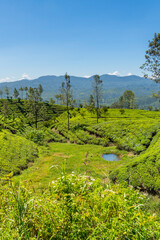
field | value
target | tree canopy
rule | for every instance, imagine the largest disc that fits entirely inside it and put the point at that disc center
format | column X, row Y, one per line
column 97, row 91
column 151, row 66
column 66, row 94
column 127, row 100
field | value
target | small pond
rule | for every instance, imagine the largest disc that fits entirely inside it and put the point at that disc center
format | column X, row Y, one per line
column 110, row 157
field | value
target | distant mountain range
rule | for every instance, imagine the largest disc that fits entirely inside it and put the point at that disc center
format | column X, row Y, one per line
column 113, row 87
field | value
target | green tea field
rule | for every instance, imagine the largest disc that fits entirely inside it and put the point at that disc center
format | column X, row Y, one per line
column 54, row 181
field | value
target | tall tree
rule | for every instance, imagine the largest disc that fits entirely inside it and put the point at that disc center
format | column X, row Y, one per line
column 26, row 90
column 128, row 99
column 21, row 89
column 40, row 88
column 66, row 95
column 119, row 103
column 1, row 93
column 91, row 103
column 51, row 101
column 6, row 89
column 59, row 97
column 34, row 104
column 15, row 93
column 43, row 113
column 97, row 91
column 6, row 111
column 151, row 67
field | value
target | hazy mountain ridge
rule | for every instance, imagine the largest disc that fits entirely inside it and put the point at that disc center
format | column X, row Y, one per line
column 113, row 86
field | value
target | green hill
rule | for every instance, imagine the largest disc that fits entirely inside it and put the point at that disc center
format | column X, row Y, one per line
column 113, row 87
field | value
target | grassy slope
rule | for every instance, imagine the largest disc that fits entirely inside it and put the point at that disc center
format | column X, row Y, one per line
column 47, row 167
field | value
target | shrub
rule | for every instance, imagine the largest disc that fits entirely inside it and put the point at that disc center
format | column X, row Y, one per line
column 37, row 136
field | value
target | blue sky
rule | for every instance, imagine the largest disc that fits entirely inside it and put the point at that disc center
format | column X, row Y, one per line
column 81, row 37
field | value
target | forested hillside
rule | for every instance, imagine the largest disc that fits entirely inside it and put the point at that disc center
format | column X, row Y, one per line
column 113, row 87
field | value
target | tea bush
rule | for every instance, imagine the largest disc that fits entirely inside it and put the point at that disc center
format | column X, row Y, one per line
column 76, row 134
column 52, row 136
column 37, row 136
column 131, row 131
column 144, row 170
column 15, row 153
column 89, row 139
column 132, row 135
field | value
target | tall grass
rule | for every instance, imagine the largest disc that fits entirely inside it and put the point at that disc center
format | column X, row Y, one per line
column 75, row 207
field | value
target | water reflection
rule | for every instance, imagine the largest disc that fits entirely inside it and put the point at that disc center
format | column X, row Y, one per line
column 110, row 157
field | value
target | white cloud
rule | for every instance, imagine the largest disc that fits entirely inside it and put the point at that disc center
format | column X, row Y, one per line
column 115, row 73
column 12, row 78
column 86, row 76
column 7, row 79
column 25, row 76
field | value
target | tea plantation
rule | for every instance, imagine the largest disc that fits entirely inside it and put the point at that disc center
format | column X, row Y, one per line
column 54, row 183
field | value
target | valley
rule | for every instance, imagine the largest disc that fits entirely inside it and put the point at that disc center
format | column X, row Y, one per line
column 49, row 165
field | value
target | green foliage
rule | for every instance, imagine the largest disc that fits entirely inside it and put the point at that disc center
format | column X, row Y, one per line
column 15, row 93
column 127, row 100
column 37, row 136
column 76, row 134
column 6, row 111
column 144, row 170
column 97, row 91
column 75, row 207
column 15, row 153
column 1, row 93
column 91, row 104
column 128, row 135
column 152, row 62
column 51, row 101
column 34, row 105
column 105, row 109
column 90, row 139
column 53, row 136
column 66, row 95
column 122, row 111
column 14, row 114
column 131, row 131
column 6, row 90
column 68, row 134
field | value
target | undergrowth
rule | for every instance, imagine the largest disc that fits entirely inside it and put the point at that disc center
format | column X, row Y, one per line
column 75, row 207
